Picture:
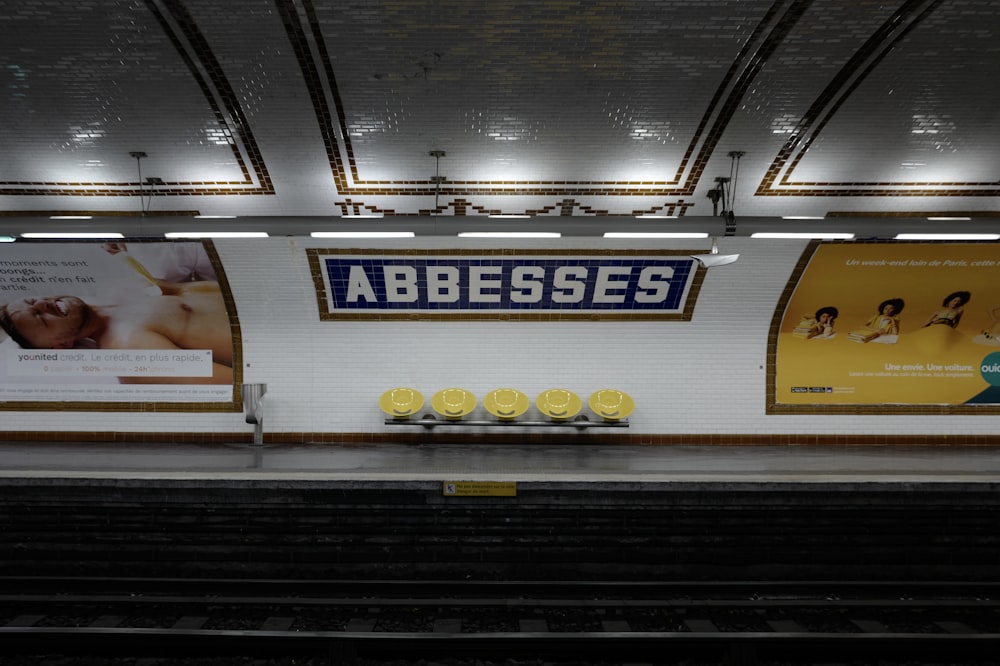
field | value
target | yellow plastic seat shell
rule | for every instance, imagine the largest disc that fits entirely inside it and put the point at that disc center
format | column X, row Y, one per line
column 400, row 403
column 506, row 403
column 453, row 403
column 611, row 404
column 559, row 404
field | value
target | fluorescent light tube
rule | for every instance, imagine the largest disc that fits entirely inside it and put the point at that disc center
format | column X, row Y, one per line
column 509, row 216
column 214, row 217
column 653, row 216
column 655, row 234
column 802, row 217
column 72, row 234
column 7, row 239
column 939, row 219
column 71, row 217
column 362, row 234
column 216, row 234
column 818, row 235
column 947, row 236
column 510, row 234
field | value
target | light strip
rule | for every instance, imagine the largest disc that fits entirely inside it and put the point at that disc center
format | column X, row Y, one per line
column 7, row 239
column 214, row 217
column 802, row 217
column 509, row 216
column 510, row 234
column 362, row 234
column 653, row 216
column 947, row 237
column 72, row 234
column 364, row 215
column 71, row 217
column 818, row 235
column 655, row 234
column 946, row 218
column 216, row 234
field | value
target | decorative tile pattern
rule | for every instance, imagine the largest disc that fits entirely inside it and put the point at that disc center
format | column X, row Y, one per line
column 546, row 108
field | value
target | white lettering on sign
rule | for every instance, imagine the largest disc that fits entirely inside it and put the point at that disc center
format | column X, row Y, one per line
column 478, row 282
column 400, row 284
column 577, row 288
column 640, row 285
column 358, row 286
column 442, row 284
column 605, row 283
column 652, row 290
column 525, row 290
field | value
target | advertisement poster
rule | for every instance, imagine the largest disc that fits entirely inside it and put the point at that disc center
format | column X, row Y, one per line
column 880, row 324
column 114, row 322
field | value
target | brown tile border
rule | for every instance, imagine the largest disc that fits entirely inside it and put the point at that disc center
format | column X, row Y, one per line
column 566, row 207
column 492, row 439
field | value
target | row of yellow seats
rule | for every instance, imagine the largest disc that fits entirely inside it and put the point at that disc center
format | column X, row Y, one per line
column 507, row 403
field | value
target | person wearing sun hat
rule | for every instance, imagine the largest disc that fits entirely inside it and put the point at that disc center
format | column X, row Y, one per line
column 453, row 403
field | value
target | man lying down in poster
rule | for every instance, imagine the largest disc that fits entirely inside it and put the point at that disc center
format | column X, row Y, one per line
column 143, row 296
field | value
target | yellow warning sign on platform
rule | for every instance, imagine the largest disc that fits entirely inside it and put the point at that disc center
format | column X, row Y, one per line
column 480, row 488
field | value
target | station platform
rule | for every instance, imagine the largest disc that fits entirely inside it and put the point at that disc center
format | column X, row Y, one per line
column 334, row 511
column 522, row 463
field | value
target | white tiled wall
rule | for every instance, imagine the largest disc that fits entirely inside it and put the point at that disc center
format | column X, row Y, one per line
column 697, row 377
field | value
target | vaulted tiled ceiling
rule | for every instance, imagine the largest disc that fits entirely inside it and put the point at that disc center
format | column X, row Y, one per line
column 557, row 107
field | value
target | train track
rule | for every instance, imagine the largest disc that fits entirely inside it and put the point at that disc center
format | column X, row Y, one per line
column 659, row 622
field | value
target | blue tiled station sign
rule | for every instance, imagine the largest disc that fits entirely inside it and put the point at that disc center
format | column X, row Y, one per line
column 470, row 283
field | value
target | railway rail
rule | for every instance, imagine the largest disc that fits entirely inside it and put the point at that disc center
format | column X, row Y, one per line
column 565, row 621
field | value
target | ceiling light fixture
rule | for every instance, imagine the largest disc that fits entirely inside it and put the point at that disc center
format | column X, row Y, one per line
column 216, row 234
column 214, row 217
column 713, row 258
column 802, row 217
column 72, row 234
column 437, row 178
column 510, row 234
column 947, row 218
column 362, row 234
column 817, row 235
column 655, row 234
column 7, row 239
column 138, row 155
column 509, row 216
column 653, row 216
column 71, row 217
column 947, row 237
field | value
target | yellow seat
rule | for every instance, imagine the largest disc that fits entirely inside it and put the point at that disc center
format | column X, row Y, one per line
column 611, row 404
column 453, row 403
column 400, row 403
column 506, row 403
column 559, row 404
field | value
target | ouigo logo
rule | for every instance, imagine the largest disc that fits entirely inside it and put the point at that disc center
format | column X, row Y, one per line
column 990, row 369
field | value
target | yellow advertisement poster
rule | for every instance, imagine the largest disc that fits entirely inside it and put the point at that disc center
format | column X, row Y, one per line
column 905, row 324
